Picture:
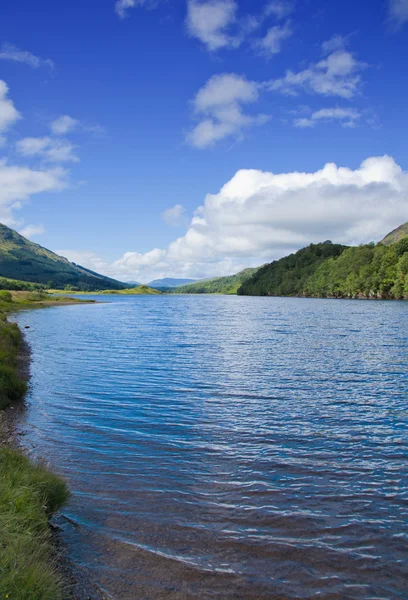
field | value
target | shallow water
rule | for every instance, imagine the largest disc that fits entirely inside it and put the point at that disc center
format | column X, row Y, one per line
column 228, row 447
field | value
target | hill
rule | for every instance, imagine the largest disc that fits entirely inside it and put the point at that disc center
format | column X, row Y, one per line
column 288, row 276
column 169, row 283
column 368, row 271
column 396, row 235
column 218, row 285
column 333, row 271
column 23, row 260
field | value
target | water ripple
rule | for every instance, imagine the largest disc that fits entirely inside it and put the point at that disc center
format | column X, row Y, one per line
column 228, row 447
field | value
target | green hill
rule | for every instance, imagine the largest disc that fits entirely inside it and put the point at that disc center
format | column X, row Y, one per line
column 334, row 271
column 25, row 261
column 396, row 235
column 288, row 276
column 217, row 285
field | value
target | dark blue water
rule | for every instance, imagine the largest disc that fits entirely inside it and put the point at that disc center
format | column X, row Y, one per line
column 228, row 447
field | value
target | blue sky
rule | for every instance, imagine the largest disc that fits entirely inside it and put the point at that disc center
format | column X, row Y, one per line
column 189, row 137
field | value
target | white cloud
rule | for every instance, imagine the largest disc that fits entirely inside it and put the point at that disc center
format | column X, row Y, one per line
column 218, row 105
column 210, row 20
column 64, row 125
column 279, row 9
column 8, row 113
column 336, row 75
column 272, row 42
column 335, row 43
column 398, row 11
column 18, row 184
column 175, row 216
column 30, row 231
column 260, row 216
column 347, row 116
column 50, row 149
column 12, row 53
column 123, row 6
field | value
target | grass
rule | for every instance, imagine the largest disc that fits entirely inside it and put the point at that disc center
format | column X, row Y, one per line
column 138, row 290
column 29, row 494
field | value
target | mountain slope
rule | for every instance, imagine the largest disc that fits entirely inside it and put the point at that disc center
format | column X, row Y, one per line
column 288, row 276
column 169, row 282
column 218, row 285
column 396, row 235
column 23, row 260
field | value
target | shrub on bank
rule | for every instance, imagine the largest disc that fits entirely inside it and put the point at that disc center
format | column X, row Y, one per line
column 5, row 296
column 29, row 494
column 12, row 386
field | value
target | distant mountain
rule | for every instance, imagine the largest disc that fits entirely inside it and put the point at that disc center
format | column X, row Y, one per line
column 396, row 235
column 169, row 282
column 23, row 260
column 218, row 285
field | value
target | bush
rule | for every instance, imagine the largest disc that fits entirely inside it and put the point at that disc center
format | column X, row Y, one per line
column 5, row 296
column 37, row 296
column 12, row 387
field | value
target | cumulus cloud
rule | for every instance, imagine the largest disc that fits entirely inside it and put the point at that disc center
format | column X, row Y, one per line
column 219, row 107
column 64, row 125
column 336, row 75
column 216, row 24
column 12, row 53
column 210, row 21
column 398, row 11
column 19, row 183
column 175, row 216
column 260, row 216
column 50, row 149
column 30, row 231
column 272, row 42
column 8, row 113
column 348, row 117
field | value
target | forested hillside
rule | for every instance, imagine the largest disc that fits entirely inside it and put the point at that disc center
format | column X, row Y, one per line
column 367, row 271
column 334, row 271
column 217, row 285
column 289, row 275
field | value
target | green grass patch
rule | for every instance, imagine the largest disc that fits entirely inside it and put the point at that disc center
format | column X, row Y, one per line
column 29, row 494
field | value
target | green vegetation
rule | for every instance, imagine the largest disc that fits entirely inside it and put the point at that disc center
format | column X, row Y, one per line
column 396, row 235
column 218, row 285
column 14, row 284
column 29, row 494
column 12, row 386
column 140, row 289
column 333, row 271
column 367, row 271
column 27, row 262
column 288, row 276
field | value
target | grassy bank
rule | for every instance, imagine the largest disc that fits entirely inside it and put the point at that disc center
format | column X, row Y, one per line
column 29, row 493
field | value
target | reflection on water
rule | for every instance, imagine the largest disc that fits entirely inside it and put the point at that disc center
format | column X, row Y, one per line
column 228, row 447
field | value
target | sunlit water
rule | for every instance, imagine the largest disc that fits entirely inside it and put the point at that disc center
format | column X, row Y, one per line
column 228, row 447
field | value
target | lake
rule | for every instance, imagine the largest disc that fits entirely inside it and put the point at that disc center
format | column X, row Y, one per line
column 227, row 447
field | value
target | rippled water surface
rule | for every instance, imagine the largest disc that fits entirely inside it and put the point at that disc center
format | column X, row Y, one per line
column 228, row 447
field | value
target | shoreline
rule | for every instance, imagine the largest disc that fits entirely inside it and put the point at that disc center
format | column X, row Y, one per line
column 73, row 579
